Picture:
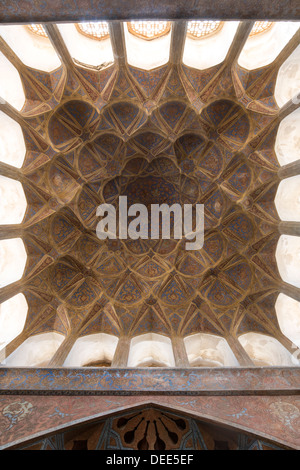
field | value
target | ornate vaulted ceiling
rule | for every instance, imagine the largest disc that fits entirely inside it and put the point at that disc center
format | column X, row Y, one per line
column 173, row 134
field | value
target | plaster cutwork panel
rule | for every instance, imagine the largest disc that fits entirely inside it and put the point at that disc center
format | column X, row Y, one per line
column 169, row 134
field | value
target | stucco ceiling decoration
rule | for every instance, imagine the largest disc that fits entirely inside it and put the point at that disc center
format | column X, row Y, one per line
column 171, row 134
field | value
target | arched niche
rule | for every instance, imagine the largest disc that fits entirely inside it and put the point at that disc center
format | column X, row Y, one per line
column 206, row 350
column 36, row 351
column 151, row 350
column 204, row 53
column 13, row 258
column 288, row 79
column 33, row 50
column 288, row 259
column 269, row 44
column 287, row 199
column 84, row 49
column 11, row 88
column 266, row 351
column 288, row 315
column 13, row 201
column 92, row 349
column 12, row 144
column 287, row 142
column 13, row 314
column 145, row 54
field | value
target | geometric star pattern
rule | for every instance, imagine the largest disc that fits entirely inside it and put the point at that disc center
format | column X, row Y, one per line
column 173, row 134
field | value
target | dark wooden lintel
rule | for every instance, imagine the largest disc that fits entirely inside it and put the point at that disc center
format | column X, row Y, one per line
column 28, row 11
column 145, row 381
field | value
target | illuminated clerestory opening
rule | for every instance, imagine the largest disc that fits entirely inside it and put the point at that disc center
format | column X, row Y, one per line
column 153, row 29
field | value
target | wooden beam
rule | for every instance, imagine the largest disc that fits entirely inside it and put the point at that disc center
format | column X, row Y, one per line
column 11, row 231
column 179, row 351
column 122, row 352
column 291, row 169
column 289, row 345
column 289, row 228
column 61, row 354
column 241, row 36
column 241, row 355
column 116, row 32
column 10, row 171
column 179, row 31
column 290, row 290
column 30, row 11
column 10, row 54
column 14, row 114
column 10, row 290
column 59, row 45
column 288, row 49
column 289, row 108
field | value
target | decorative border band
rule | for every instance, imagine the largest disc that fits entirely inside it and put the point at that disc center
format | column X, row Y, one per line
column 108, row 381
